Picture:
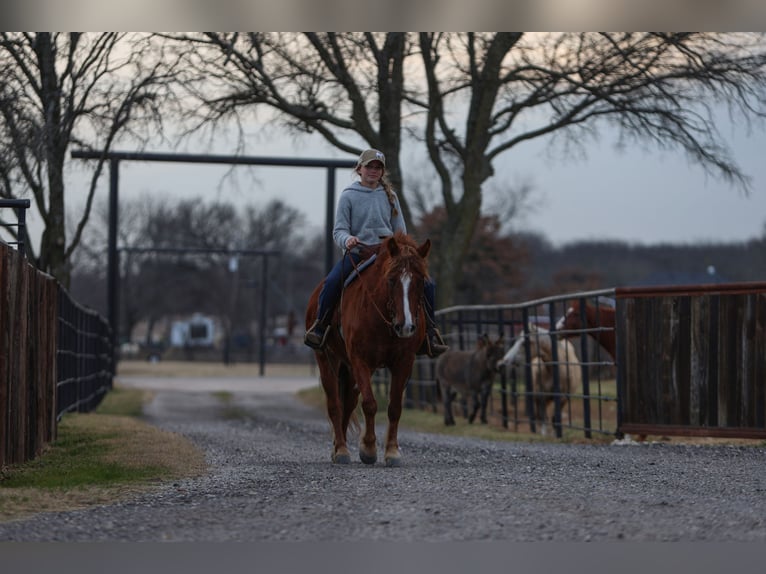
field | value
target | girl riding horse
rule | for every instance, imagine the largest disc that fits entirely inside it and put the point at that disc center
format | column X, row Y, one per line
column 368, row 211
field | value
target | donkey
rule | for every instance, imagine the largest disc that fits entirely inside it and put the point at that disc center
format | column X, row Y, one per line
column 471, row 373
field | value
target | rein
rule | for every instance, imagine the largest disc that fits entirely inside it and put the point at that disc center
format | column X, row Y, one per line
column 367, row 291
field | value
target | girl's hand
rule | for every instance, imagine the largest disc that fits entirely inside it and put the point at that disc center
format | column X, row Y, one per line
column 351, row 242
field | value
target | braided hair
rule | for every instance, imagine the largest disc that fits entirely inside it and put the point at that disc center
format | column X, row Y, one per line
column 391, row 195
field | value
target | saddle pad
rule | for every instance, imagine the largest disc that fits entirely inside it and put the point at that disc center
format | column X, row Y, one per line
column 359, row 268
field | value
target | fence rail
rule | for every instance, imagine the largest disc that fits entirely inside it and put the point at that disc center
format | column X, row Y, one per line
column 20, row 206
column 54, row 357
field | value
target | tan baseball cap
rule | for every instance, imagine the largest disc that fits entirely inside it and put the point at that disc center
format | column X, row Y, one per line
column 369, row 155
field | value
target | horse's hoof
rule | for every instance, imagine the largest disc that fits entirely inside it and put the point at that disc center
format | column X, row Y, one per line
column 393, row 460
column 368, row 458
column 342, row 457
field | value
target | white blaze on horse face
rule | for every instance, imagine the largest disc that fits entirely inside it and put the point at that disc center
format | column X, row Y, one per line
column 408, row 326
column 509, row 357
column 563, row 320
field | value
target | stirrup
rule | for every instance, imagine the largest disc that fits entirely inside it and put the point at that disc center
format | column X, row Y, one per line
column 314, row 339
column 436, row 345
column 433, row 345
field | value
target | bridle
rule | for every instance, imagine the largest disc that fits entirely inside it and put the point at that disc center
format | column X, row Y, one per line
column 368, row 294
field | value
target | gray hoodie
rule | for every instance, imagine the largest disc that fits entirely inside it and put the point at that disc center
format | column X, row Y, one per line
column 366, row 214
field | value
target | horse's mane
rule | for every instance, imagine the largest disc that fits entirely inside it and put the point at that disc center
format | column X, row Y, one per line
column 407, row 256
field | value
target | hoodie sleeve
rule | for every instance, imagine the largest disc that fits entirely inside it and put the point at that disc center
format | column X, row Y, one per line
column 342, row 229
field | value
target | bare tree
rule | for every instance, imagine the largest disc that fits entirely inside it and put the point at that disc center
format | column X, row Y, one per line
column 470, row 97
column 72, row 89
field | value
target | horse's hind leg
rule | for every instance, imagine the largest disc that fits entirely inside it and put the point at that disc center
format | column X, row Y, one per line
column 349, row 396
column 331, row 385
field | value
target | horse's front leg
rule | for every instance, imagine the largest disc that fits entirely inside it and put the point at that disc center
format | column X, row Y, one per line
column 368, row 452
column 399, row 376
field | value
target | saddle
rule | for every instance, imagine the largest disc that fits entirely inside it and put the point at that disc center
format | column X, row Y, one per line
column 369, row 255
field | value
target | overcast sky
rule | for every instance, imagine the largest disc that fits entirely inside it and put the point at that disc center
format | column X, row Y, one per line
column 633, row 195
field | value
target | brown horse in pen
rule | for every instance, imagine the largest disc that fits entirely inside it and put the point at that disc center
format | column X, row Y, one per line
column 380, row 322
column 599, row 321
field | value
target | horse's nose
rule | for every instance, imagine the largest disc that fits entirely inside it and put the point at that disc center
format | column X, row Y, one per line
column 404, row 330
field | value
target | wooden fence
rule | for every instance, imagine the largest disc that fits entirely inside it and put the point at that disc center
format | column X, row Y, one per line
column 54, row 357
column 692, row 360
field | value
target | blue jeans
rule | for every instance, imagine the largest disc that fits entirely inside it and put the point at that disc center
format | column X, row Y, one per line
column 333, row 285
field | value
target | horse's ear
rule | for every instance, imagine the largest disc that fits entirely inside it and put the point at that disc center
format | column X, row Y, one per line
column 424, row 248
column 393, row 246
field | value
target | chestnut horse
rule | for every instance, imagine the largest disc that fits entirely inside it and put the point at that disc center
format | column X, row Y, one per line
column 380, row 322
column 600, row 324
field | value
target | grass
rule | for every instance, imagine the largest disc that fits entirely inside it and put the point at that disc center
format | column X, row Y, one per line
column 433, row 422
column 97, row 458
column 208, row 369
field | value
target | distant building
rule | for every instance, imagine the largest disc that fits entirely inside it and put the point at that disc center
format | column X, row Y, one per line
column 199, row 331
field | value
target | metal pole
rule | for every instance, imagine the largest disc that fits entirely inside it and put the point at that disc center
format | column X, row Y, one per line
column 113, row 264
column 21, row 218
column 262, row 322
column 329, row 256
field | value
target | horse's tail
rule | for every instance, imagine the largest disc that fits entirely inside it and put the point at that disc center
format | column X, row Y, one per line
column 348, row 398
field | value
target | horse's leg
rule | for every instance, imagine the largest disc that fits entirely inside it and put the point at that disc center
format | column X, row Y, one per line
column 464, row 404
column 349, row 398
column 331, row 386
column 449, row 420
column 476, row 406
column 486, row 391
column 361, row 374
column 542, row 408
column 399, row 376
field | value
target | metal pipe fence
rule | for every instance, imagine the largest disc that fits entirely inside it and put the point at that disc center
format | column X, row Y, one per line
column 20, row 207
column 589, row 409
column 83, row 357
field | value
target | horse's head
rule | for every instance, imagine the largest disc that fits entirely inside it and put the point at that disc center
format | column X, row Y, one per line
column 405, row 269
column 570, row 321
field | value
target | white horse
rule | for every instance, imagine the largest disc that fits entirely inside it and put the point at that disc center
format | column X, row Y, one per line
column 542, row 367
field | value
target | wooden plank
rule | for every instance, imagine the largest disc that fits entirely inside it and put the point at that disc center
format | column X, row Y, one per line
column 713, row 360
column 5, row 338
column 22, row 379
column 698, row 360
column 682, row 359
column 759, row 371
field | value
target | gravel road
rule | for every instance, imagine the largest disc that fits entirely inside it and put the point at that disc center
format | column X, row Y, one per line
column 271, row 479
